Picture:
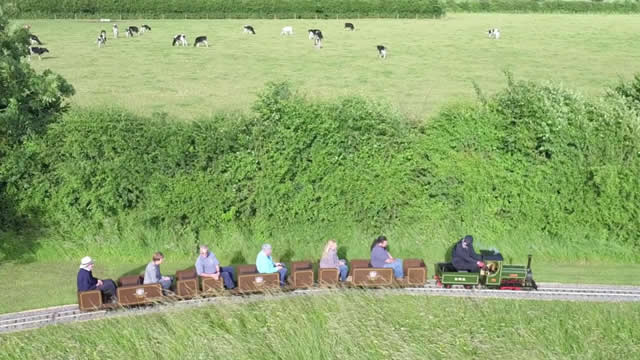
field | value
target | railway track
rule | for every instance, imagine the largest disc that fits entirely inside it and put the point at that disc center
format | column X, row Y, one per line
column 546, row 291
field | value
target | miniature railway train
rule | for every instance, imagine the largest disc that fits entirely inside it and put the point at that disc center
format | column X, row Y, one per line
column 132, row 292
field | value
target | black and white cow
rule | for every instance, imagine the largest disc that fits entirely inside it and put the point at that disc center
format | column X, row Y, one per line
column 34, row 40
column 249, row 29
column 180, row 40
column 382, row 51
column 201, row 40
column 132, row 30
column 317, row 38
column 312, row 33
column 37, row 51
column 494, row 34
column 349, row 26
column 102, row 39
column 144, row 28
column 115, row 31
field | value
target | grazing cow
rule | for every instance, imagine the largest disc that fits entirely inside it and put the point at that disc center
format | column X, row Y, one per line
column 312, row 33
column 115, row 31
column 131, row 30
column 287, row 30
column 249, row 29
column 317, row 39
column 102, row 39
column 349, row 26
column 494, row 34
column 201, row 40
column 34, row 40
column 37, row 51
column 180, row 40
column 382, row 51
column 145, row 28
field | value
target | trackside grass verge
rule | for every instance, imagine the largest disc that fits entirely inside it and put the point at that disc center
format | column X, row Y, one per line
column 357, row 326
column 43, row 284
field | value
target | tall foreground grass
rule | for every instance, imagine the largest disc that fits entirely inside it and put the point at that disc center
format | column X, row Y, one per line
column 361, row 326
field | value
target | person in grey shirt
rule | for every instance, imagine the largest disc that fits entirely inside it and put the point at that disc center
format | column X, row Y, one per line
column 380, row 257
column 208, row 265
column 330, row 260
column 152, row 273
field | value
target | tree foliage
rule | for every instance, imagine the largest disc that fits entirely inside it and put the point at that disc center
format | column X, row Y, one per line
column 29, row 101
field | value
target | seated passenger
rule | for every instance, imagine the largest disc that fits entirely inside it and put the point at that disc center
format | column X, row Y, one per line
column 208, row 265
column 330, row 260
column 87, row 282
column 464, row 257
column 265, row 264
column 380, row 257
column 152, row 273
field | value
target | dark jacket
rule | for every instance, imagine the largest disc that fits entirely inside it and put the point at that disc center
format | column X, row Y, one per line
column 465, row 259
column 86, row 281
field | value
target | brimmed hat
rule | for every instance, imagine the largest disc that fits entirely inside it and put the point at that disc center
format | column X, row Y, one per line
column 86, row 261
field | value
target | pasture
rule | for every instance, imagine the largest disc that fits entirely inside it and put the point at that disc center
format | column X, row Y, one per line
column 430, row 63
column 349, row 326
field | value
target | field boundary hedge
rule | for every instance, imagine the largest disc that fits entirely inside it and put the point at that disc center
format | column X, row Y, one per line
column 299, row 9
column 216, row 9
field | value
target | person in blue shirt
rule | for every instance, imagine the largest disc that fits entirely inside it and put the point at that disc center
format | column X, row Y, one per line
column 208, row 265
column 380, row 257
column 265, row 264
column 87, row 282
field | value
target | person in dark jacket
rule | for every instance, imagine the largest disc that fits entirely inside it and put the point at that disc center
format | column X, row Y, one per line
column 87, row 282
column 464, row 257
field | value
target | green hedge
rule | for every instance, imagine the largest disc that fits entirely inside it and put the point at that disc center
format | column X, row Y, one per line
column 219, row 9
column 230, row 8
column 534, row 159
column 542, row 6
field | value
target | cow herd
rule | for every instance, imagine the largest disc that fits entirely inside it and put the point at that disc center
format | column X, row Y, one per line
column 181, row 39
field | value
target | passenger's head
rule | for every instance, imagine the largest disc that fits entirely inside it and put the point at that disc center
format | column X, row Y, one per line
column 379, row 241
column 86, row 263
column 158, row 257
column 204, row 251
column 266, row 249
column 467, row 240
column 331, row 245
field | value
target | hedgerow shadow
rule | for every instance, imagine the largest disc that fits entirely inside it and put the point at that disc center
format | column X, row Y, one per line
column 20, row 233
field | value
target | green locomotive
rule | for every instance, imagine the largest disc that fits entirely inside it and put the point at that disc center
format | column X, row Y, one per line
column 494, row 275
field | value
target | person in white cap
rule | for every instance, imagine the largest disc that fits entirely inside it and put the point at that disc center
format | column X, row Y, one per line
column 87, row 282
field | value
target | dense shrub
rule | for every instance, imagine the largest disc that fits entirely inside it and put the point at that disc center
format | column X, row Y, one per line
column 543, row 6
column 200, row 9
column 233, row 8
column 295, row 162
column 534, row 161
column 543, row 155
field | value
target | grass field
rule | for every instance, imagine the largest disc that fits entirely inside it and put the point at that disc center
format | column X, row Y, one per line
column 431, row 62
column 358, row 326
